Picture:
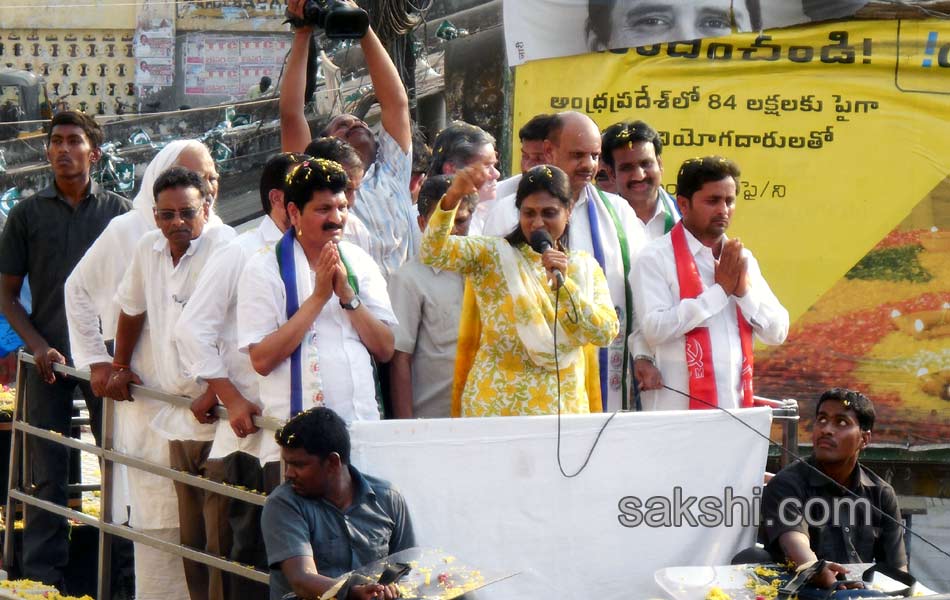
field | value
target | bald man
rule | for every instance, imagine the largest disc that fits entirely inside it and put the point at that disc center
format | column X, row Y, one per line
column 603, row 225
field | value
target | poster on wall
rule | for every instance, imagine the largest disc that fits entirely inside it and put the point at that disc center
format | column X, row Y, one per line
column 222, row 65
column 154, row 47
column 854, row 242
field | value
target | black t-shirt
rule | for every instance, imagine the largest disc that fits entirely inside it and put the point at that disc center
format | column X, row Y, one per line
column 848, row 531
column 44, row 237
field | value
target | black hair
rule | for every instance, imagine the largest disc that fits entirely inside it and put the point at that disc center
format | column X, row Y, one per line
column 319, row 431
column 457, row 144
column 73, row 117
column 421, row 152
column 313, row 175
column 554, row 128
column 626, row 133
column 335, row 149
column 180, row 177
column 274, row 175
column 265, row 83
column 861, row 405
column 697, row 172
column 598, row 23
column 536, row 129
column 543, row 178
column 755, row 13
column 432, row 191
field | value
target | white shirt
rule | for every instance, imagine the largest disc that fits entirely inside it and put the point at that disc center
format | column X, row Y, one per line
column 665, row 320
column 480, row 215
column 345, row 364
column 508, row 187
column 385, row 206
column 206, row 335
column 504, row 218
column 90, row 288
column 656, row 226
column 155, row 286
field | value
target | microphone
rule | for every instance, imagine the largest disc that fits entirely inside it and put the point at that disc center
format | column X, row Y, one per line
column 541, row 241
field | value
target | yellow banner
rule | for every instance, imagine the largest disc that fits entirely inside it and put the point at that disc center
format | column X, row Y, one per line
column 842, row 132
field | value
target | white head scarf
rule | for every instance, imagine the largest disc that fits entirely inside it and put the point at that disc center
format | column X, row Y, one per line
column 166, row 158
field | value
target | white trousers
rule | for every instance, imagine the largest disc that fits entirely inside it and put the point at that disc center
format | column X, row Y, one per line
column 159, row 575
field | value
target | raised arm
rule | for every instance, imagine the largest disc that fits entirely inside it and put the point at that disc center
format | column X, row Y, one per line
column 439, row 248
column 389, row 90
column 294, row 129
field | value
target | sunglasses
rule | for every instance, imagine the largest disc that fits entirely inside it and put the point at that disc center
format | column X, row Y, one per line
column 186, row 214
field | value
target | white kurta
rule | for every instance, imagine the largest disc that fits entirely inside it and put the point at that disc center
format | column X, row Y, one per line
column 508, row 187
column 656, row 227
column 206, row 335
column 504, row 218
column 665, row 319
column 345, row 364
column 154, row 285
column 92, row 313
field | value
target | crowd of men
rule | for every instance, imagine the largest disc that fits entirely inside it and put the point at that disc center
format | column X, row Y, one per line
column 325, row 305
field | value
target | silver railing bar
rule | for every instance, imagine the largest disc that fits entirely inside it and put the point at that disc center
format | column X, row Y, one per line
column 135, row 536
column 144, row 465
column 268, row 423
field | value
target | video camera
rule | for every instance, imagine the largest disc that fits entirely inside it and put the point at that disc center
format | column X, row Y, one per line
column 336, row 18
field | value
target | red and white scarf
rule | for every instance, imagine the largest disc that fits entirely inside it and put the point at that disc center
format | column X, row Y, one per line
column 699, row 358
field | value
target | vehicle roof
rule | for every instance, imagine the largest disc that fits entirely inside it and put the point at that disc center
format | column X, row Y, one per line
column 17, row 77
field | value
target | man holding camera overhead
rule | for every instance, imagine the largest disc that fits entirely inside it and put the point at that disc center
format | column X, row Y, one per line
column 383, row 202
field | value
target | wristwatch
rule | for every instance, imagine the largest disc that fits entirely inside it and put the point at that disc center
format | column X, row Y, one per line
column 353, row 304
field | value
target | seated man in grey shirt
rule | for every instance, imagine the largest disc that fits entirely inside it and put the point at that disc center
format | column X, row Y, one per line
column 327, row 518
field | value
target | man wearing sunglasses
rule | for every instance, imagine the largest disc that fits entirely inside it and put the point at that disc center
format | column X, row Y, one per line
column 156, row 287
column 92, row 315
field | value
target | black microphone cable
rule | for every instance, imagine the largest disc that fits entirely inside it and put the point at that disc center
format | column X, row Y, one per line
column 557, row 373
column 771, row 442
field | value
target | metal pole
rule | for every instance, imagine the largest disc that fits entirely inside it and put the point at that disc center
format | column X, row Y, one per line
column 107, row 468
column 790, row 437
column 13, row 478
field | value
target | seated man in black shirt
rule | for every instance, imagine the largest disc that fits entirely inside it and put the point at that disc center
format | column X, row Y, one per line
column 327, row 518
column 806, row 515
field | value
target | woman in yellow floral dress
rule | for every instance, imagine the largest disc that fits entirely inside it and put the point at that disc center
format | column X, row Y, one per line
column 514, row 368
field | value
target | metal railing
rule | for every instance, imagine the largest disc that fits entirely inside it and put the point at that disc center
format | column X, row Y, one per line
column 786, row 413
column 21, row 479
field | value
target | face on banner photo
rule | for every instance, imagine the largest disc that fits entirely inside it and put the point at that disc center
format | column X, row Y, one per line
column 632, row 23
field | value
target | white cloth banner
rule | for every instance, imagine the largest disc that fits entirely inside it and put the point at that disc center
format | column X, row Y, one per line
column 490, row 491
